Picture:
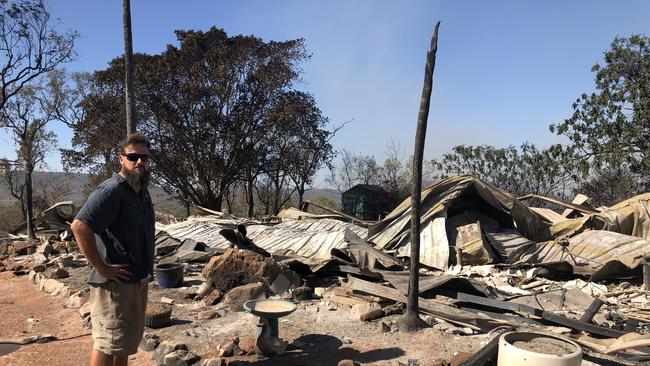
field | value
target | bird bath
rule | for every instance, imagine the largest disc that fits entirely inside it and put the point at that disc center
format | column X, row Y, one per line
column 269, row 311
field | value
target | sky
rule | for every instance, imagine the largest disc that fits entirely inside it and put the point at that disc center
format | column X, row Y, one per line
column 505, row 70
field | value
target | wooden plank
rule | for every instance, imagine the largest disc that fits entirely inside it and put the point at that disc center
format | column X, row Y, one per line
column 546, row 315
column 445, row 312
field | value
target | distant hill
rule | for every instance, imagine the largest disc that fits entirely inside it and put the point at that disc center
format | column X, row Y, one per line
column 162, row 200
column 78, row 181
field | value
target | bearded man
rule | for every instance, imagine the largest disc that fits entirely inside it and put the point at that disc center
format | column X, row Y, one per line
column 115, row 231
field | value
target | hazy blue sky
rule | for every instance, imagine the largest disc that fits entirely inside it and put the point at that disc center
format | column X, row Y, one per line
column 505, row 69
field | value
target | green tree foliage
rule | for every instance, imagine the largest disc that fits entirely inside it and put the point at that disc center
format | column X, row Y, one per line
column 520, row 171
column 611, row 126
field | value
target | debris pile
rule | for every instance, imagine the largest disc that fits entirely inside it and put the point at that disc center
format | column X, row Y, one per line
column 490, row 261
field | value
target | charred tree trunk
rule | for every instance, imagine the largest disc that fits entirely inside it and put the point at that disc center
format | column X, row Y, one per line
column 411, row 320
column 249, row 198
column 31, row 231
column 301, row 194
column 128, row 68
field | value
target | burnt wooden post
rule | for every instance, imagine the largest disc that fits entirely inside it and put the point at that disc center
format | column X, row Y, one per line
column 411, row 321
column 128, row 68
column 591, row 311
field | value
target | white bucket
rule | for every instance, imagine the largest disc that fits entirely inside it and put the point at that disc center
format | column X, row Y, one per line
column 549, row 350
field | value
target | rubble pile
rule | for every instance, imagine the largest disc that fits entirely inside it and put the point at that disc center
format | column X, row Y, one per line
column 490, row 261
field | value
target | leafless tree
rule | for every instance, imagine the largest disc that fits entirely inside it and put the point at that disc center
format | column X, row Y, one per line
column 30, row 45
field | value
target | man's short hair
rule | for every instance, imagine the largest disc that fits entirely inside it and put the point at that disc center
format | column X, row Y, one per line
column 135, row 138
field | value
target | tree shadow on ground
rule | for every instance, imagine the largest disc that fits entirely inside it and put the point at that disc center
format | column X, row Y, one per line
column 322, row 349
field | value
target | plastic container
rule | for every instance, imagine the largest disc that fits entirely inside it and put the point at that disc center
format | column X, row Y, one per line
column 550, row 350
column 169, row 275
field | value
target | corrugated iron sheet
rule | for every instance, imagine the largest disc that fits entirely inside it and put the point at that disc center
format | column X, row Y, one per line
column 600, row 253
column 307, row 238
column 456, row 193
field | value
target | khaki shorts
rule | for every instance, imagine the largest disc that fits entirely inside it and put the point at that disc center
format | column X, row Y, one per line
column 117, row 315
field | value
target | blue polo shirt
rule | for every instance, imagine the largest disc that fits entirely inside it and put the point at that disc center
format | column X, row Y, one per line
column 123, row 222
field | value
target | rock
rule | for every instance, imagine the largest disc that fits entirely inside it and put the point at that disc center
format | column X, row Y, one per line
column 302, row 293
column 203, row 290
column 32, row 276
column 150, row 341
column 247, row 344
column 55, row 273
column 39, row 268
column 39, row 259
column 348, row 362
column 52, row 286
column 84, row 310
column 360, row 309
column 227, row 348
column 207, row 314
column 213, row 297
column 346, row 340
column 45, row 249
column 270, row 346
column 238, row 267
column 166, row 348
column 151, row 344
column 319, row 291
column 180, row 357
column 166, row 300
column 76, row 300
column 236, row 297
column 213, row 362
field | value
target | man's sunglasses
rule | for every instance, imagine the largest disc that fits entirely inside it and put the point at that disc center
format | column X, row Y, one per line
column 135, row 157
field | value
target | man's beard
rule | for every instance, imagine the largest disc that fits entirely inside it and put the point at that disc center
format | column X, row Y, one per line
column 137, row 180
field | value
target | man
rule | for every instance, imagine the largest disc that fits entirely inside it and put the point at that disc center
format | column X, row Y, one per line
column 115, row 231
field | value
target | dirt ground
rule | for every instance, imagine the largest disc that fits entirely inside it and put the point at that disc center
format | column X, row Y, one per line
column 324, row 332
column 26, row 312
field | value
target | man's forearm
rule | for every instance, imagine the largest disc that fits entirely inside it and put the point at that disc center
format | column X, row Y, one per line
column 85, row 237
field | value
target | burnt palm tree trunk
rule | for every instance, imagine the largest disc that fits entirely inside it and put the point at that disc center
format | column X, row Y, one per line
column 128, row 68
column 411, row 321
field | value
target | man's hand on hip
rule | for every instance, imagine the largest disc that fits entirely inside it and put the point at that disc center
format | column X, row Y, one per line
column 114, row 272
